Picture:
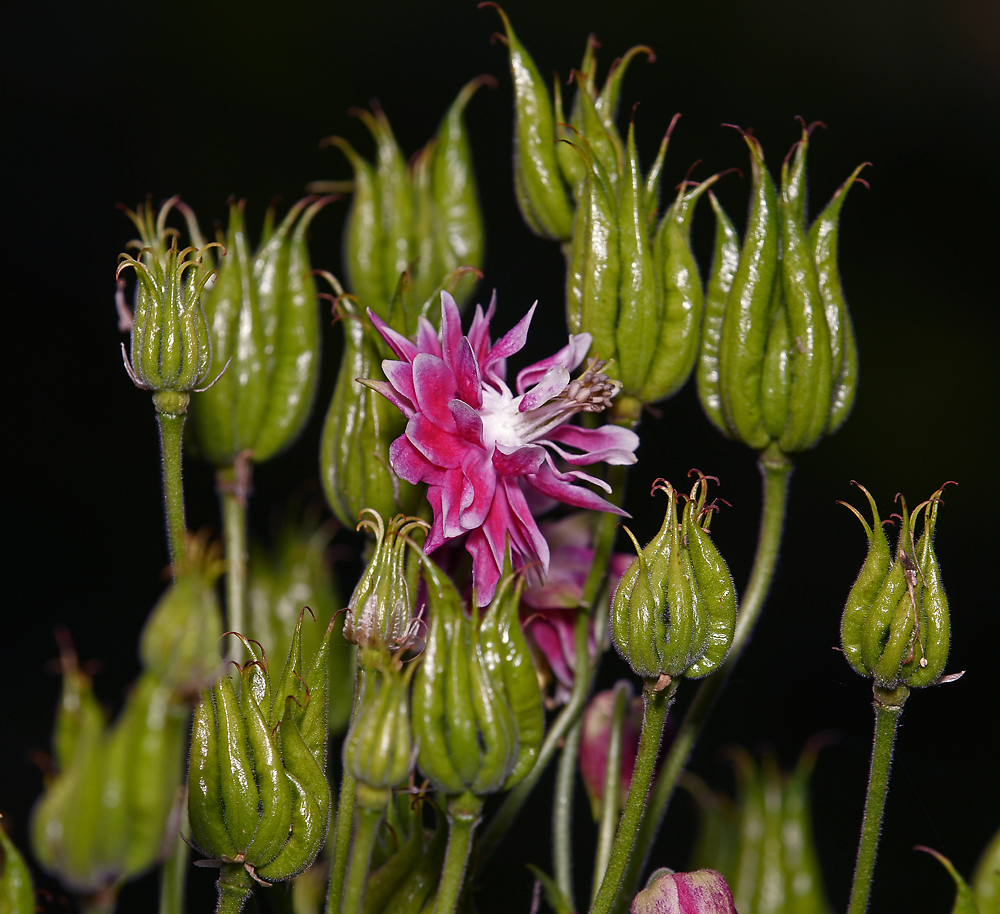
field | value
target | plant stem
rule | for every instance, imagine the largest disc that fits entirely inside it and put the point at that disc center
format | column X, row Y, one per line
column 170, row 416
column 233, row 484
column 562, row 813
column 888, row 706
column 612, row 780
column 235, row 887
column 654, row 716
column 366, row 826
column 463, row 817
column 343, row 825
column 776, row 471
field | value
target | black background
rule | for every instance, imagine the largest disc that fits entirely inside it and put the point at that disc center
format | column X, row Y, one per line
column 107, row 103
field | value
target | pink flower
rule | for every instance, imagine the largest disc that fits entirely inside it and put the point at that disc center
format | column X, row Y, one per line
column 700, row 892
column 549, row 607
column 483, row 450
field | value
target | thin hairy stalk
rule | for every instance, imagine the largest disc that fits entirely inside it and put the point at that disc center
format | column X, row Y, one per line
column 654, row 716
column 562, row 813
column 609, row 799
column 776, row 470
column 171, row 424
column 343, row 825
column 463, row 817
column 235, row 887
column 365, row 829
column 888, row 707
column 233, row 484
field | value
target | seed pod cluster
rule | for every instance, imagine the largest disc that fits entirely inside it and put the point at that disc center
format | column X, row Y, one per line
column 896, row 625
column 632, row 280
column 104, row 815
column 764, row 843
column 265, row 326
column 360, row 426
column 674, row 611
column 778, row 360
column 171, row 347
column 421, row 218
column 257, row 788
column 477, row 707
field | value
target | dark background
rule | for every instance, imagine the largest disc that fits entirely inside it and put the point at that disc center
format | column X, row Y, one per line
column 110, row 103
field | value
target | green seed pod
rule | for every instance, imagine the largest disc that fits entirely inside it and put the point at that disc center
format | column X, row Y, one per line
column 363, row 231
column 171, row 346
column 457, row 233
column 682, row 299
column 764, row 844
column 508, row 659
column 785, row 357
column 380, row 611
column 360, row 425
column 465, row 730
column 538, row 183
column 896, row 624
column 811, row 370
column 378, row 747
column 675, row 608
column 823, row 236
column 747, row 321
column 179, row 643
column 725, row 259
column 105, row 815
column 265, row 327
column 17, row 894
column 638, row 299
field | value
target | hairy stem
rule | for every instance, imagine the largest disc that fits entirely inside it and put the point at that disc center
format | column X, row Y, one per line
column 888, row 707
column 776, row 470
column 654, row 717
column 233, row 484
column 463, row 817
column 170, row 418
column 235, row 887
column 612, row 779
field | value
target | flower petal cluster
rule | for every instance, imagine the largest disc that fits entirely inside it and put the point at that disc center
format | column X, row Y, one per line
column 487, row 453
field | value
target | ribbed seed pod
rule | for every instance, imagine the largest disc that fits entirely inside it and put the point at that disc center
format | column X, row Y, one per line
column 778, row 360
column 257, row 789
column 422, row 218
column 465, row 722
column 674, row 611
column 896, row 623
column 265, row 326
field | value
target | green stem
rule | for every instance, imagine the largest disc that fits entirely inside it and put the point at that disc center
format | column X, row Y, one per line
column 102, row 903
column 343, row 825
column 233, row 484
column 235, row 887
column 612, row 779
column 366, row 826
column 888, row 707
column 776, row 471
column 170, row 419
column 562, row 813
column 463, row 817
column 173, row 875
column 654, row 717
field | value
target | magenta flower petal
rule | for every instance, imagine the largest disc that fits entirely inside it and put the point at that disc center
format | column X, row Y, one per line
column 486, row 453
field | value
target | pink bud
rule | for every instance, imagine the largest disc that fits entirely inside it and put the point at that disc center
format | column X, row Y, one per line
column 700, row 892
